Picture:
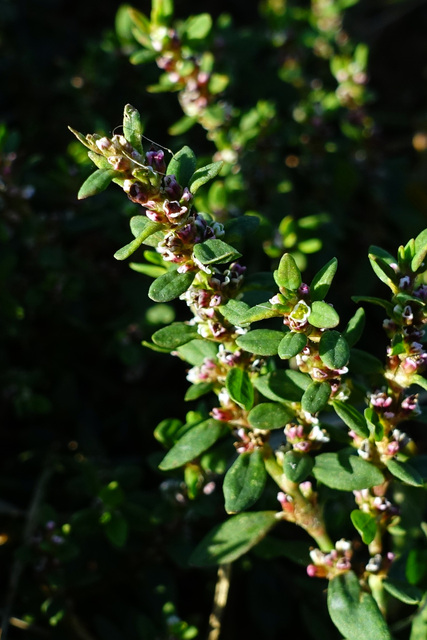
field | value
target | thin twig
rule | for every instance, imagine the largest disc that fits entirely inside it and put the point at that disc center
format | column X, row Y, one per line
column 220, row 600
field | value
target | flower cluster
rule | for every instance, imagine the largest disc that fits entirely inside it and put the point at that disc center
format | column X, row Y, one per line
column 328, row 565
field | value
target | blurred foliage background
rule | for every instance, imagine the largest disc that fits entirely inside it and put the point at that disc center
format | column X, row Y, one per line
column 94, row 540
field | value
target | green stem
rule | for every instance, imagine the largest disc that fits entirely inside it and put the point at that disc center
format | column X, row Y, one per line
column 306, row 514
column 377, row 590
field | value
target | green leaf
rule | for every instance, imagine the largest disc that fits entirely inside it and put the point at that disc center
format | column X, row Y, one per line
column 232, row 538
column 237, row 230
column 198, row 27
column 194, row 442
column 128, row 249
column 364, row 362
column 354, row 329
column 263, row 342
column 322, row 281
column 288, row 275
column 297, row 466
column 346, row 471
column 235, row 311
column 365, row 525
column 351, row 417
column 132, row 127
column 215, row 251
column 170, row 285
column 116, row 528
column 334, row 350
column 203, row 175
column 353, row 611
column 182, row 125
column 198, row 390
column 419, row 380
column 174, row 335
column 271, row 547
column 167, row 431
column 388, row 306
column 161, row 12
column 407, row 593
column 239, row 387
column 147, row 269
column 182, row 166
column 323, row 316
column 269, row 416
column 244, row 482
column 419, row 625
column 380, row 262
column 196, row 351
column 315, row 397
column 291, row 344
column 261, row 311
column 375, row 426
column 98, row 181
column 405, row 472
column 420, row 250
column 283, row 385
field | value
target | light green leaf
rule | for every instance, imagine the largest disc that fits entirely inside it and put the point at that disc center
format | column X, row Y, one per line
column 354, row 329
column 315, row 397
column 419, row 380
column 264, row 342
column 132, row 127
column 282, row 385
column 98, row 181
column 239, row 387
column 198, row 390
column 129, row 249
column 334, row 350
column 174, row 335
column 215, row 251
column 269, row 416
column 353, row 611
column 365, row 525
column 405, row 472
column 244, row 482
column 288, row 275
column 182, row 166
column 170, row 285
column 194, row 442
column 203, row 175
column 322, row 281
column 323, row 316
column 380, row 262
column 147, row 269
column 232, row 538
column 407, row 593
column 346, row 472
column 196, row 351
column 198, row 27
column 351, row 417
column 388, row 306
column 297, row 466
column 420, row 250
column 291, row 344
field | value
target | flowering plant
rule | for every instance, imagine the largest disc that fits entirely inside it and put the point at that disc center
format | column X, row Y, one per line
column 291, row 402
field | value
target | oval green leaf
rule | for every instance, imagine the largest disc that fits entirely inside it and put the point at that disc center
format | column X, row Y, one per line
column 315, row 397
column 269, row 416
column 239, row 387
column 334, row 350
column 346, row 472
column 182, row 165
column 244, row 481
column 203, row 175
column 215, row 251
column 351, row 417
column 323, row 316
column 263, row 342
column 288, row 275
column 365, row 525
column 194, row 442
column 170, row 285
column 405, row 472
column 292, row 344
column 232, row 538
column 321, row 282
column 98, row 181
column 174, row 335
column 297, row 466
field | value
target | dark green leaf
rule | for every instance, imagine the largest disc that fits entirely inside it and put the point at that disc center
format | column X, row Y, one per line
column 263, row 342
column 269, row 416
column 297, row 466
column 353, row 611
column 170, row 285
column 182, row 166
column 232, row 538
column 194, row 442
column 203, row 175
column 365, row 524
column 174, row 335
column 149, row 229
column 271, row 547
column 322, row 280
column 132, row 127
column 315, row 397
column 237, row 229
column 116, row 528
column 388, row 306
column 407, row 593
column 354, row 329
column 405, row 472
column 364, row 362
column 323, row 316
column 283, row 385
column 374, row 423
column 98, row 181
column 291, row 344
column 346, row 472
column 334, row 350
column 351, row 417
column 244, row 481
column 239, row 387
column 288, row 275
column 215, row 251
